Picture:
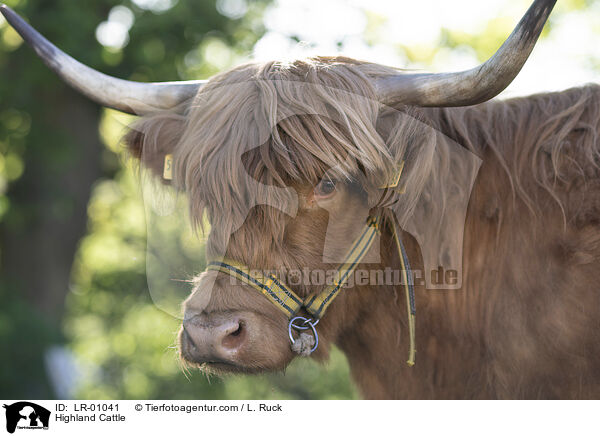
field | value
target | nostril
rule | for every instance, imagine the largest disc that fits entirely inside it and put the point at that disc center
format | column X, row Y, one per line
column 236, row 338
column 238, row 331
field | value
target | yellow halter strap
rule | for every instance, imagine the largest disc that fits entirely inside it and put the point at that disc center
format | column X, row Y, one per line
column 316, row 305
column 286, row 299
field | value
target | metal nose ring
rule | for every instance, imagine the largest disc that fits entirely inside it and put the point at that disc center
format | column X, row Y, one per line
column 311, row 325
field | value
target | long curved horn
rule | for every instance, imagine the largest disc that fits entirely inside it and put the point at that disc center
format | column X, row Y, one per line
column 123, row 95
column 475, row 85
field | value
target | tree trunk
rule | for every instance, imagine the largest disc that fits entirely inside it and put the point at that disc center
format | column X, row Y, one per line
column 51, row 198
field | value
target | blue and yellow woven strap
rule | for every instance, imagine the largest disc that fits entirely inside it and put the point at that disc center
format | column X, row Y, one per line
column 318, row 304
column 269, row 286
column 282, row 296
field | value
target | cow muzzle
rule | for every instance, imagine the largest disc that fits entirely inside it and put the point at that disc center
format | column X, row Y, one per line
column 213, row 338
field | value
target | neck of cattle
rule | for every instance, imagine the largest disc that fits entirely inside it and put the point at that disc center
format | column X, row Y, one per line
column 525, row 322
column 375, row 336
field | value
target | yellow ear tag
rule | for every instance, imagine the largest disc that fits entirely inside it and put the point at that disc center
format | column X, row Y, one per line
column 396, row 179
column 168, row 168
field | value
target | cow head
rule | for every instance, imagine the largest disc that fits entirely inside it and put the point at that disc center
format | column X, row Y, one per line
column 286, row 160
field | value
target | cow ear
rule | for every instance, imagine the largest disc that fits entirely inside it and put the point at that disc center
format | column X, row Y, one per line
column 153, row 138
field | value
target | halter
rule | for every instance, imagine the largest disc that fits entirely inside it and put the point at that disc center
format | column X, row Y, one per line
column 290, row 303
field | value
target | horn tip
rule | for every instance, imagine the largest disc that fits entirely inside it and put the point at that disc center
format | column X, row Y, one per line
column 5, row 10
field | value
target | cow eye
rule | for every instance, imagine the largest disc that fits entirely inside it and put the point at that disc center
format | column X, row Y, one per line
column 325, row 188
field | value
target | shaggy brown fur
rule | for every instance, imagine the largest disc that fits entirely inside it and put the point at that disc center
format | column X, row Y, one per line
column 525, row 323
